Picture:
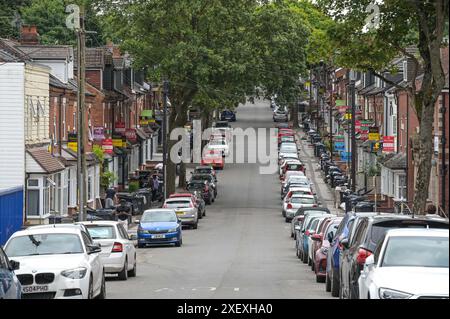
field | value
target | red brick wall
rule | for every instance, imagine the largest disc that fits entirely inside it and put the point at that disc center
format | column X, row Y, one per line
column 94, row 77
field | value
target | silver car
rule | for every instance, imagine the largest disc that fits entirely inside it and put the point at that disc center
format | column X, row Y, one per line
column 298, row 201
column 280, row 115
column 185, row 210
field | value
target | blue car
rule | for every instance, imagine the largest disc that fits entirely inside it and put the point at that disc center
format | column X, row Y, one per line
column 10, row 287
column 228, row 116
column 159, row 227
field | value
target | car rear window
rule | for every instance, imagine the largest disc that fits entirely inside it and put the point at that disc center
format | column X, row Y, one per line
column 101, row 231
column 178, row 204
column 379, row 229
column 302, row 200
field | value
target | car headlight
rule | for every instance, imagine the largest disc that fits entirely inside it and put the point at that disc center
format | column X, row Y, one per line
column 173, row 230
column 386, row 293
column 77, row 273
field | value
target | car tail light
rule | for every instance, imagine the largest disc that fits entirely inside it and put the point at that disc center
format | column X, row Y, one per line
column 362, row 255
column 164, row 206
column 314, row 205
column 117, row 248
column 191, row 205
column 307, row 233
column 289, row 206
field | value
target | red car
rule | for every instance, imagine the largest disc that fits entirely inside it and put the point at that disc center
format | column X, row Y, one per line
column 322, row 245
column 213, row 158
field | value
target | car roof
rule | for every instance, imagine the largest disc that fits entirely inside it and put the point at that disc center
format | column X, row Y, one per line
column 204, row 167
column 417, row 232
column 47, row 230
column 302, row 196
column 319, row 209
column 176, row 199
column 181, row 195
column 99, row 222
column 294, row 188
column 168, row 210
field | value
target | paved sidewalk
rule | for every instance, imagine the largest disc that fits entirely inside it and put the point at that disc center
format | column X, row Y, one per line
column 323, row 190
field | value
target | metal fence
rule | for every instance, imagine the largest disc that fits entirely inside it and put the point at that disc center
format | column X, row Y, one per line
column 11, row 212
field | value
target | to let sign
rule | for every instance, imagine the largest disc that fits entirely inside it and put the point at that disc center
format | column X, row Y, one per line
column 73, row 142
column 388, row 144
column 99, row 133
column 107, row 146
column 131, row 134
column 373, row 134
column 120, row 127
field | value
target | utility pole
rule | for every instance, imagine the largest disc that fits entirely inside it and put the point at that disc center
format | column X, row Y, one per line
column 165, row 148
column 81, row 158
column 443, row 145
column 352, row 135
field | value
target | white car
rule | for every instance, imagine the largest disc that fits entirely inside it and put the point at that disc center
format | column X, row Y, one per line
column 288, row 150
column 219, row 145
column 118, row 250
column 408, row 264
column 57, row 261
column 298, row 201
column 290, row 174
column 287, row 162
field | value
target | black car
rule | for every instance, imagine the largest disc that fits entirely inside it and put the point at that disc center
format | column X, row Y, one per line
column 206, row 169
column 367, row 234
column 204, row 188
column 222, row 124
column 228, row 115
column 207, row 177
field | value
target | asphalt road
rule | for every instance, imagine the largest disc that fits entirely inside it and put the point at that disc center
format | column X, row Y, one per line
column 241, row 249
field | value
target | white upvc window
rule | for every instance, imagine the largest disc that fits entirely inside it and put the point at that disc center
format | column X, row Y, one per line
column 400, row 186
column 37, row 197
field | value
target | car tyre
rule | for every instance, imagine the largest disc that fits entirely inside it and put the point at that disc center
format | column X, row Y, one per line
column 327, row 283
column 334, row 285
column 133, row 272
column 320, row 279
column 123, row 274
column 304, row 257
column 195, row 226
column 179, row 243
column 200, row 215
column 309, row 261
column 287, row 220
column 292, row 235
column 140, row 246
column 313, row 266
column 102, row 294
column 91, row 289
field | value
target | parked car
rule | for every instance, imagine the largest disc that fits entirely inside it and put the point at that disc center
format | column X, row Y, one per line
column 159, row 227
column 323, row 241
column 228, row 115
column 57, row 261
column 293, row 166
column 185, row 210
column 408, row 264
column 368, row 231
column 286, row 139
column 316, row 227
column 295, row 182
column 220, row 146
column 206, row 169
column 10, row 287
column 196, row 198
column 301, row 242
column 334, row 253
column 213, row 158
column 206, row 177
column 300, row 214
column 280, row 115
column 294, row 190
column 287, row 148
column 118, row 253
column 204, row 188
column 298, row 201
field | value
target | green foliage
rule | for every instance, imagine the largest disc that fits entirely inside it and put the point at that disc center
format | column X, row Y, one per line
column 107, row 178
column 9, row 22
column 133, row 187
column 98, row 152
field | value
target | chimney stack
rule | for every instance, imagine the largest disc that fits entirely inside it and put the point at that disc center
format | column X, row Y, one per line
column 29, row 35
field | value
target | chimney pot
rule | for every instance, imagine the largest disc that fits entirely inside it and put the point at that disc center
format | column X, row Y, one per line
column 29, row 35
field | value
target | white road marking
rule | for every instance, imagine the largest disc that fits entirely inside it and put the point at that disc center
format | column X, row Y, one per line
column 164, row 289
column 236, row 289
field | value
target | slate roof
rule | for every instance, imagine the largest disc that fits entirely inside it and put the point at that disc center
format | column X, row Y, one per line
column 43, row 52
column 46, row 160
column 395, row 161
column 95, row 58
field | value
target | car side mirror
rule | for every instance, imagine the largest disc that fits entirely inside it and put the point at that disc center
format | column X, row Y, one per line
column 370, row 261
column 316, row 237
column 297, row 227
column 330, row 237
column 137, row 221
column 14, row 265
column 179, row 221
column 94, row 249
column 132, row 237
column 344, row 243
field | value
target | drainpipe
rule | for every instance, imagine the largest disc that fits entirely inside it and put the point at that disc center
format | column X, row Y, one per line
column 407, row 147
column 443, row 110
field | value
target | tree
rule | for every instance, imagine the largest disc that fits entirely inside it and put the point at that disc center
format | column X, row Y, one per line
column 370, row 41
column 215, row 53
column 10, row 20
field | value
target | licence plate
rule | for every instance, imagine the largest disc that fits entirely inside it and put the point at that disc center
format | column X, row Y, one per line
column 34, row 289
column 180, row 213
column 159, row 236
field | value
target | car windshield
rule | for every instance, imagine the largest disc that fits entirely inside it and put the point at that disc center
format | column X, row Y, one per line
column 288, row 148
column 204, row 177
column 420, row 251
column 178, row 204
column 101, row 231
column 211, row 155
column 217, row 142
column 331, row 229
column 203, row 170
column 293, row 166
column 44, row 244
column 302, row 200
column 288, row 138
column 159, row 216
column 222, row 124
column 194, row 185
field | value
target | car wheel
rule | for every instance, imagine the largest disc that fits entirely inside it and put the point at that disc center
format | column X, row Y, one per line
column 334, row 285
column 133, row 272
column 91, row 289
column 319, row 279
column 179, row 243
column 287, row 220
column 313, row 267
column 304, row 257
column 309, row 261
column 102, row 294
column 283, row 213
column 208, row 202
column 292, row 235
column 204, row 213
column 327, row 283
column 200, row 215
column 195, row 226
column 141, row 246
column 123, row 274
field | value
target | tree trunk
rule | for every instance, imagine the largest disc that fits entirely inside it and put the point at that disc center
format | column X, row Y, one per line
column 182, row 176
column 295, row 115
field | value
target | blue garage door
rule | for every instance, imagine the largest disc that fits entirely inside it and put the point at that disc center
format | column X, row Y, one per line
column 11, row 212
